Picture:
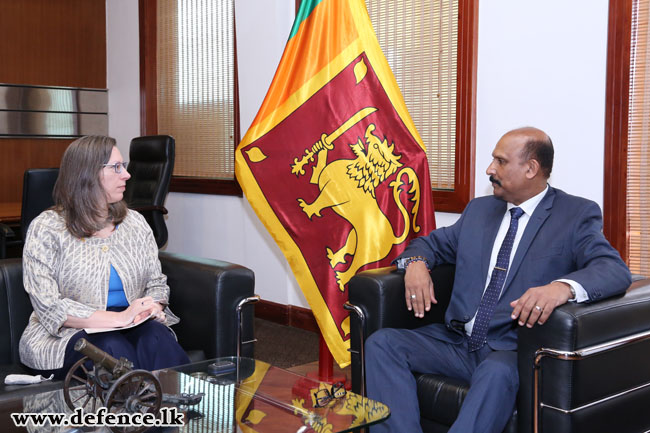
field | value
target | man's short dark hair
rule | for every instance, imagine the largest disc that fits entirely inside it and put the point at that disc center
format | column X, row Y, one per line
column 540, row 150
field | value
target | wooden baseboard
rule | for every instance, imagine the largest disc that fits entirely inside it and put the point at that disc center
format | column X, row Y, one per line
column 289, row 315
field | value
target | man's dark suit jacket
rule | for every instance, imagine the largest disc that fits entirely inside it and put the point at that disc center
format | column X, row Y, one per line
column 563, row 239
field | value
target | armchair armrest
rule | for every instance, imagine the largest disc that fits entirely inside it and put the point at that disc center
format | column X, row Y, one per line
column 576, row 385
column 379, row 294
column 205, row 294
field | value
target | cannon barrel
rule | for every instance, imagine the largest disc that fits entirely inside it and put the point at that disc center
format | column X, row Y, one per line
column 117, row 367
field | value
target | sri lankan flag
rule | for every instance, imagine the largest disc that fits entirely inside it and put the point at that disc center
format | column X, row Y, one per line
column 332, row 163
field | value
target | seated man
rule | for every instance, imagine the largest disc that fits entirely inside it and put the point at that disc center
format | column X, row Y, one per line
column 519, row 254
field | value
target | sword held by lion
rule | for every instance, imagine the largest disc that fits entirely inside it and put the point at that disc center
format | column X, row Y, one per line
column 347, row 186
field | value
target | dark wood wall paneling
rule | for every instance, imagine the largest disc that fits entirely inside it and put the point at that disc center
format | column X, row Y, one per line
column 17, row 155
column 456, row 200
column 616, row 119
column 288, row 315
column 54, row 43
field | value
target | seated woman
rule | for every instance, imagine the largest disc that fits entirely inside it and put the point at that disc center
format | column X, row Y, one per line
column 90, row 262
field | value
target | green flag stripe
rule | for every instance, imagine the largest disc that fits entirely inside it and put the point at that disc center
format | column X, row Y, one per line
column 306, row 6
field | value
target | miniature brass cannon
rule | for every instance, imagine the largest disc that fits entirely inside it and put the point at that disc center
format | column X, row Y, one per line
column 114, row 383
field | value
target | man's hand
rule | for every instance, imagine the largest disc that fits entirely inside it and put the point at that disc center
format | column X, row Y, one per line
column 538, row 303
column 419, row 288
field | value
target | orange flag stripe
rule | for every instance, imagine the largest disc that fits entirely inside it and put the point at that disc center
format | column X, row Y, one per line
column 303, row 69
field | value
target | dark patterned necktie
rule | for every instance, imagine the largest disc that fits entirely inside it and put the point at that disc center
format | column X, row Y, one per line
column 491, row 295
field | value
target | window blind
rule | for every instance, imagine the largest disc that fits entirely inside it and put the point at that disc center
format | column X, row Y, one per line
column 420, row 41
column 195, row 73
column 638, row 164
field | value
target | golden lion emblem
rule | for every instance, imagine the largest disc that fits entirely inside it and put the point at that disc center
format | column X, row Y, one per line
column 347, row 186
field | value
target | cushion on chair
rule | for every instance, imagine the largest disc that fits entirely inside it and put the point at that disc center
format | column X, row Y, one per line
column 440, row 397
column 440, row 400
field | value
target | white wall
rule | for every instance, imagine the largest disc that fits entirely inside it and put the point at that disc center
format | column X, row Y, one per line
column 549, row 75
column 543, row 64
column 123, row 72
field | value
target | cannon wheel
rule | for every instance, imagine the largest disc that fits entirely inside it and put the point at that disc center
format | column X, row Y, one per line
column 136, row 391
column 81, row 389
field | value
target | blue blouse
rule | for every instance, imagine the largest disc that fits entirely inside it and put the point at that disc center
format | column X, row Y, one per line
column 116, row 296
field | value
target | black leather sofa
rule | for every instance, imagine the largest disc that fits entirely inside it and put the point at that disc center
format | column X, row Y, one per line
column 585, row 370
column 204, row 293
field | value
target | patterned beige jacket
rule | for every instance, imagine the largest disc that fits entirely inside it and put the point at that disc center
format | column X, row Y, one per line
column 67, row 276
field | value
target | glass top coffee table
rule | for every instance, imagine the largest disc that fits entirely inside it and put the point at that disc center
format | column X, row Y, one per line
column 269, row 399
column 256, row 398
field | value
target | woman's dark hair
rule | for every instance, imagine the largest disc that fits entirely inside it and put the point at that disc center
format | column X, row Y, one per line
column 78, row 193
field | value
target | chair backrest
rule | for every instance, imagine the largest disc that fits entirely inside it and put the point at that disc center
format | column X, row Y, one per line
column 15, row 309
column 151, row 163
column 38, row 184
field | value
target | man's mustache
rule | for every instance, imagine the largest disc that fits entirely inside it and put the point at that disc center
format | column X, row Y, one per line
column 493, row 180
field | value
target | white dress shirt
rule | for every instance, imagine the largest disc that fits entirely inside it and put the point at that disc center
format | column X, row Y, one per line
column 528, row 207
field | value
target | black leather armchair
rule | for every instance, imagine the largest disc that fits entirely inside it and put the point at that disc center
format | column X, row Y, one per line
column 38, row 184
column 151, row 163
column 208, row 296
column 585, row 370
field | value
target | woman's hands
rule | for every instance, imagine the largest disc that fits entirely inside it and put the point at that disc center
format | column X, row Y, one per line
column 146, row 306
column 135, row 313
